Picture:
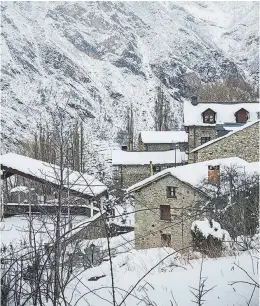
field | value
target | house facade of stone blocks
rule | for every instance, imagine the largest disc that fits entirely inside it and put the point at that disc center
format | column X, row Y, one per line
column 165, row 210
column 205, row 122
column 167, row 203
column 163, row 141
column 243, row 143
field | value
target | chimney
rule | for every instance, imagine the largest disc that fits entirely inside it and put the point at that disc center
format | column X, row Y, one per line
column 194, row 100
column 151, row 168
column 124, row 148
column 213, row 174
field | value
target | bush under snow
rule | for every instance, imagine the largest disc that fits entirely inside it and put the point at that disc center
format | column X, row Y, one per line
column 209, row 237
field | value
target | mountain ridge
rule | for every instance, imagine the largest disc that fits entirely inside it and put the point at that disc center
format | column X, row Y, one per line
column 107, row 56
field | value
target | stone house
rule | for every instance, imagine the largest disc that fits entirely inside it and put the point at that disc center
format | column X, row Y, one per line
column 132, row 167
column 207, row 121
column 167, row 203
column 243, row 143
column 163, row 141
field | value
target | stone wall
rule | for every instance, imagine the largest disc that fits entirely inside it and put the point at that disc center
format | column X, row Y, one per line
column 183, row 146
column 149, row 227
column 128, row 175
column 194, row 137
column 92, row 230
column 243, row 144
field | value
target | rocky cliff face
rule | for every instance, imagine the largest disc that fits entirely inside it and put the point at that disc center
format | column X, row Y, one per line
column 97, row 58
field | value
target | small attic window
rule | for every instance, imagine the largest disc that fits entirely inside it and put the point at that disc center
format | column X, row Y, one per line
column 209, row 116
column 242, row 116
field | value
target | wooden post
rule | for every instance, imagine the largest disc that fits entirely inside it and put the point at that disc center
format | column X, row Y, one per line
column 91, row 209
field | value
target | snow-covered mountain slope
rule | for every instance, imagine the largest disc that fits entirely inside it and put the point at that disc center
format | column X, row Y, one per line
column 108, row 55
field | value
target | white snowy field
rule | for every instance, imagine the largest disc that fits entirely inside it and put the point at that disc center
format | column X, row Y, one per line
column 154, row 277
column 15, row 229
column 170, row 282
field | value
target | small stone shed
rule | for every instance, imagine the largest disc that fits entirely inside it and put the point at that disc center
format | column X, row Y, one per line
column 132, row 167
column 167, row 203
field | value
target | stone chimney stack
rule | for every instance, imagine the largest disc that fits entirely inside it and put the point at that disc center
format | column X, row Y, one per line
column 194, row 100
column 213, row 174
column 151, row 168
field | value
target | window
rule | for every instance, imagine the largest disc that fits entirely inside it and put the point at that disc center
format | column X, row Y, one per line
column 156, row 169
column 171, row 192
column 241, row 116
column 209, row 116
column 166, row 240
column 165, row 212
column 204, row 139
column 258, row 115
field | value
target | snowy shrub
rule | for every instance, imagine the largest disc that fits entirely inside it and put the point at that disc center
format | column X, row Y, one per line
column 209, row 238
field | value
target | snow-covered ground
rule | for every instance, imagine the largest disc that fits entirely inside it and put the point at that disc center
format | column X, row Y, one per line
column 155, row 277
column 170, row 282
column 16, row 229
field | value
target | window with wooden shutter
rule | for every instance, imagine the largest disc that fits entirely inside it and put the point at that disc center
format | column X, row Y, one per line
column 171, row 192
column 166, row 240
column 209, row 116
column 165, row 212
column 241, row 116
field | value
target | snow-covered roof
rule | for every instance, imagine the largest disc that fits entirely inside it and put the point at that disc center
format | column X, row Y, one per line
column 194, row 174
column 164, row 136
column 225, row 136
column 120, row 157
column 80, row 182
column 225, row 112
column 20, row 189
